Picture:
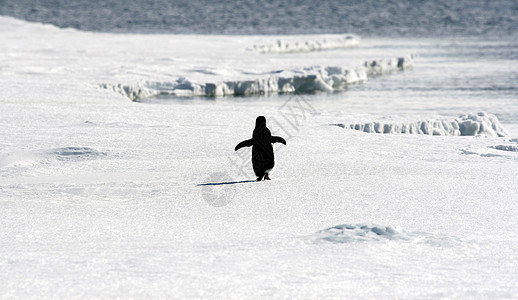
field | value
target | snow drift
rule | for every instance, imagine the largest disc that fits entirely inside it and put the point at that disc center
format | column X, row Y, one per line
column 350, row 233
column 360, row 232
column 45, row 156
column 282, row 46
column 465, row 125
column 510, row 148
column 306, row 80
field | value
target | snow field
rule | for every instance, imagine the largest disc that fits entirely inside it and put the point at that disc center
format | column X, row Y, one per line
column 134, row 221
column 102, row 197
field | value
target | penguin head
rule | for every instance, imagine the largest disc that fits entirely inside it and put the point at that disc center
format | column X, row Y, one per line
column 260, row 121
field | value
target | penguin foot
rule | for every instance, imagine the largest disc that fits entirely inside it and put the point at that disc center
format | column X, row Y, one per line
column 266, row 177
column 260, row 178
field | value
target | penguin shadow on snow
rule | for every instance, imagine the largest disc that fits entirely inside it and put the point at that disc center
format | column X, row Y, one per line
column 225, row 183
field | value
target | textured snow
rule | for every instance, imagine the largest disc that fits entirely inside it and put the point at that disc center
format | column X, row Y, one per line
column 42, row 156
column 471, row 124
column 359, row 232
column 353, row 233
column 512, row 148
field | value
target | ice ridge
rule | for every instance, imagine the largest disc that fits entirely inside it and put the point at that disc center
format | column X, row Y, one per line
column 465, row 125
column 281, row 46
column 306, row 80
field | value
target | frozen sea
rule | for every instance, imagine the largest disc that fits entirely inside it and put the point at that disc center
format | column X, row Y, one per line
column 118, row 177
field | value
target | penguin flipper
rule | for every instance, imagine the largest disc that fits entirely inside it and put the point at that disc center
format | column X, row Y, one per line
column 278, row 139
column 245, row 143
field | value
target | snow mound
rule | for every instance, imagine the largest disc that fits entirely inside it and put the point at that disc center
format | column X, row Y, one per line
column 361, row 232
column 349, row 233
column 465, row 125
column 74, row 153
column 306, row 80
column 511, row 148
column 281, row 46
column 479, row 152
column 43, row 156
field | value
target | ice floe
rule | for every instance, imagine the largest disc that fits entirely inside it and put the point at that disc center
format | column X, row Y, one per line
column 465, row 125
column 305, row 80
column 283, row 46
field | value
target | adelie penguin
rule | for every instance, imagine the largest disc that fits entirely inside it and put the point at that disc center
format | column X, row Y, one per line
column 263, row 159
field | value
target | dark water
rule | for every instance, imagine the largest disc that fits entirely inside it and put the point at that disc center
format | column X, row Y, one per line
column 371, row 18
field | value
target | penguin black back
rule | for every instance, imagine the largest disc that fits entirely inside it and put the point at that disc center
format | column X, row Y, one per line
column 263, row 159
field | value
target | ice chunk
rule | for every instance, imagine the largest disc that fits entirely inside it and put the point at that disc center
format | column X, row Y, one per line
column 384, row 66
column 481, row 124
column 466, row 125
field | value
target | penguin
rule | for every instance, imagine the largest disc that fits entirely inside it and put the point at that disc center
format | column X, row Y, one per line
column 263, row 159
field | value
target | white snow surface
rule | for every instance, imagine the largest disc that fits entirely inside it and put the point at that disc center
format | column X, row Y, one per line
column 103, row 197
